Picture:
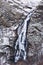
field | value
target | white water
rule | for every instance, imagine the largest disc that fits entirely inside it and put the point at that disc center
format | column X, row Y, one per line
column 21, row 41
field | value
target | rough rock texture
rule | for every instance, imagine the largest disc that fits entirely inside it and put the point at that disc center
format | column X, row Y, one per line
column 35, row 34
column 8, row 17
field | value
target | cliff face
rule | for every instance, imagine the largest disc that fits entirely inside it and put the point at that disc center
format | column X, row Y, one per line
column 10, row 16
column 35, row 33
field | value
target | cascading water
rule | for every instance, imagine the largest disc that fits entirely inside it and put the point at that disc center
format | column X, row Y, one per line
column 21, row 43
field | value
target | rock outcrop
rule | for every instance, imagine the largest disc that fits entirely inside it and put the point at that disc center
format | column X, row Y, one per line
column 10, row 17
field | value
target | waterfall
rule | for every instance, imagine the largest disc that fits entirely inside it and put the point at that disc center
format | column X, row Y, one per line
column 21, row 44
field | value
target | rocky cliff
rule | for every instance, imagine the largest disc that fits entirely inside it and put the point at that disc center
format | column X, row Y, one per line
column 12, row 15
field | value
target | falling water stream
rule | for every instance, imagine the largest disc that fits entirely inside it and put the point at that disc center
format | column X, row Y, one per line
column 21, row 43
